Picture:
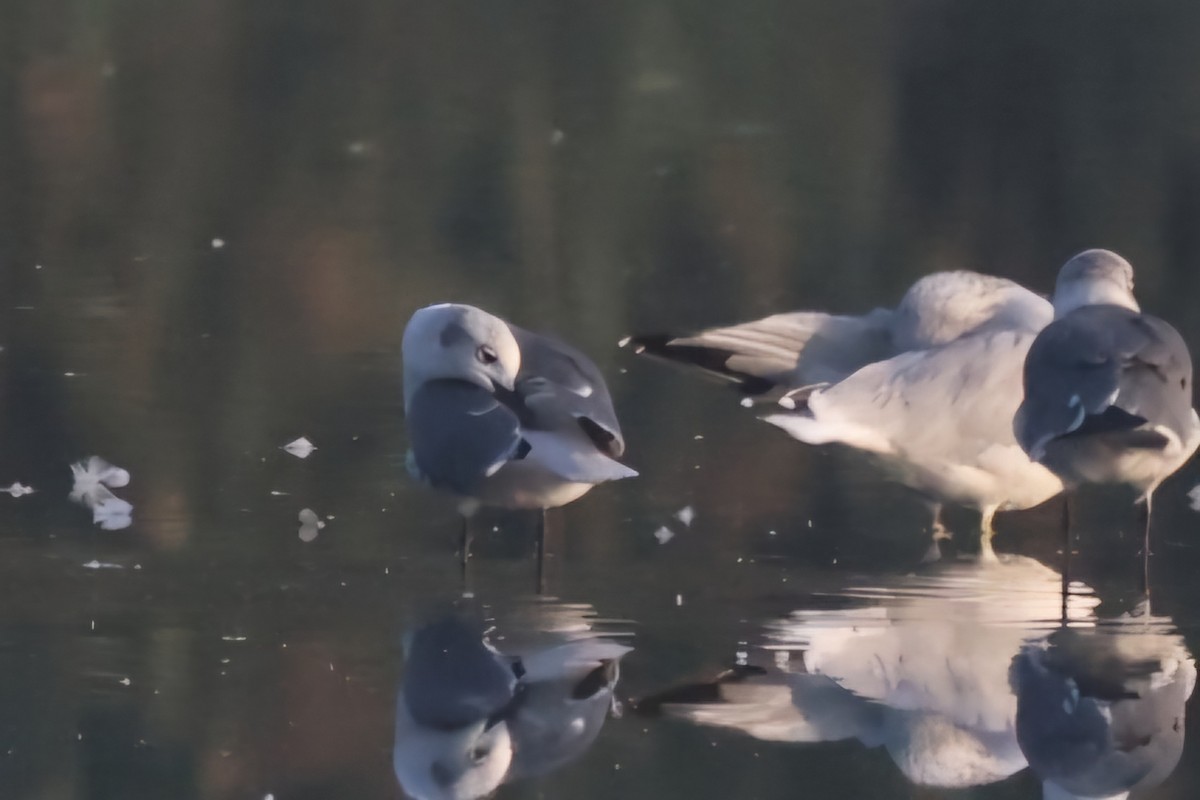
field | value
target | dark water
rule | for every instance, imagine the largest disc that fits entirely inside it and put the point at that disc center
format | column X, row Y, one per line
column 215, row 218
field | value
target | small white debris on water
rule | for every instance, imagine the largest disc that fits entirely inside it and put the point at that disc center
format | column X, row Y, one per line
column 1194, row 497
column 772, row 533
column 269, row 797
column 741, row 657
column 37, row 266
column 18, row 489
column 68, row 374
column 625, row 341
column 217, row 244
column 747, row 402
column 557, row 136
column 664, row 534
column 94, row 564
column 698, row 436
column 678, row 600
column 124, row 681
column 686, row 515
column 300, row 448
column 277, row 493
column 93, row 479
column 310, row 524
column 233, row 638
column 810, row 523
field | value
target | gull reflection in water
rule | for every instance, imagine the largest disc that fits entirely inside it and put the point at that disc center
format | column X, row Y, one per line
column 921, row 667
column 1100, row 711
column 480, row 705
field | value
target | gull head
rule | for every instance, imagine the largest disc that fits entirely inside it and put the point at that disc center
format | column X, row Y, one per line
column 468, row 763
column 459, row 342
column 1094, row 277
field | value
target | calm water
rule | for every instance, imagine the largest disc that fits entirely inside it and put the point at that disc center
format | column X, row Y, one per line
column 216, row 216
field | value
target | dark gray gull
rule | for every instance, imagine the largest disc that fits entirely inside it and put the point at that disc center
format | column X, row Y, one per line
column 1100, row 711
column 499, row 416
column 929, row 389
column 1108, row 389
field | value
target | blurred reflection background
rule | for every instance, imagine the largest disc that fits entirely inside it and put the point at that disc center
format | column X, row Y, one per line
column 216, row 216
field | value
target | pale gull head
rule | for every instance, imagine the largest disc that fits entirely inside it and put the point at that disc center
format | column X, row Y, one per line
column 459, row 342
column 1094, row 277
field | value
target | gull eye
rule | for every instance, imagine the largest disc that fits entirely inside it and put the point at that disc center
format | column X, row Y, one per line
column 479, row 754
column 486, row 354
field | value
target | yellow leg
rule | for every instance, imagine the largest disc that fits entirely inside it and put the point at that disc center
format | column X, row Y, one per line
column 986, row 532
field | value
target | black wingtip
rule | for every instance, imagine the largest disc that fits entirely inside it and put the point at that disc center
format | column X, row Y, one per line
column 710, row 359
column 694, row 693
column 1118, row 421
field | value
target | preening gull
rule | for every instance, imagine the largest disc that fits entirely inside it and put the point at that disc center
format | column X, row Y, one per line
column 1100, row 711
column 499, row 416
column 922, row 670
column 470, row 716
column 929, row 388
column 1108, row 390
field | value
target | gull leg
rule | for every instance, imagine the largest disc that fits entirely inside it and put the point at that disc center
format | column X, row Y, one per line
column 986, row 532
column 464, row 553
column 541, row 552
column 1146, row 547
column 1066, row 546
column 939, row 533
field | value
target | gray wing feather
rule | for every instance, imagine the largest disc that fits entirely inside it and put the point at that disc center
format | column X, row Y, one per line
column 781, row 351
column 558, row 385
column 460, row 434
column 452, row 679
column 1097, row 359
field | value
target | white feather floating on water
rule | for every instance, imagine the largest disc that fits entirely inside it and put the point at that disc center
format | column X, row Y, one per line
column 686, row 515
column 18, row 489
column 94, row 479
column 310, row 525
column 300, row 448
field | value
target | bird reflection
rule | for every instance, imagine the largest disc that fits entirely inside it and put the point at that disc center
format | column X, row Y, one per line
column 1100, row 711
column 480, row 705
column 919, row 667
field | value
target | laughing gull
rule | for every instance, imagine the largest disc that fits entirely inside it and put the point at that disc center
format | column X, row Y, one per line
column 929, row 388
column 922, row 670
column 470, row 716
column 499, row 416
column 1108, row 390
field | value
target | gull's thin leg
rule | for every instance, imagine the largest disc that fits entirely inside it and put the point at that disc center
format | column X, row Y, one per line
column 1146, row 547
column 464, row 544
column 541, row 552
column 938, row 534
column 986, row 532
column 1066, row 546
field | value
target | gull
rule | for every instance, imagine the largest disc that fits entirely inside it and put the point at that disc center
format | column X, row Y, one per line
column 500, row 416
column 919, row 668
column 1108, row 389
column 1100, row 711
column 470, row 717
column 928, row 389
